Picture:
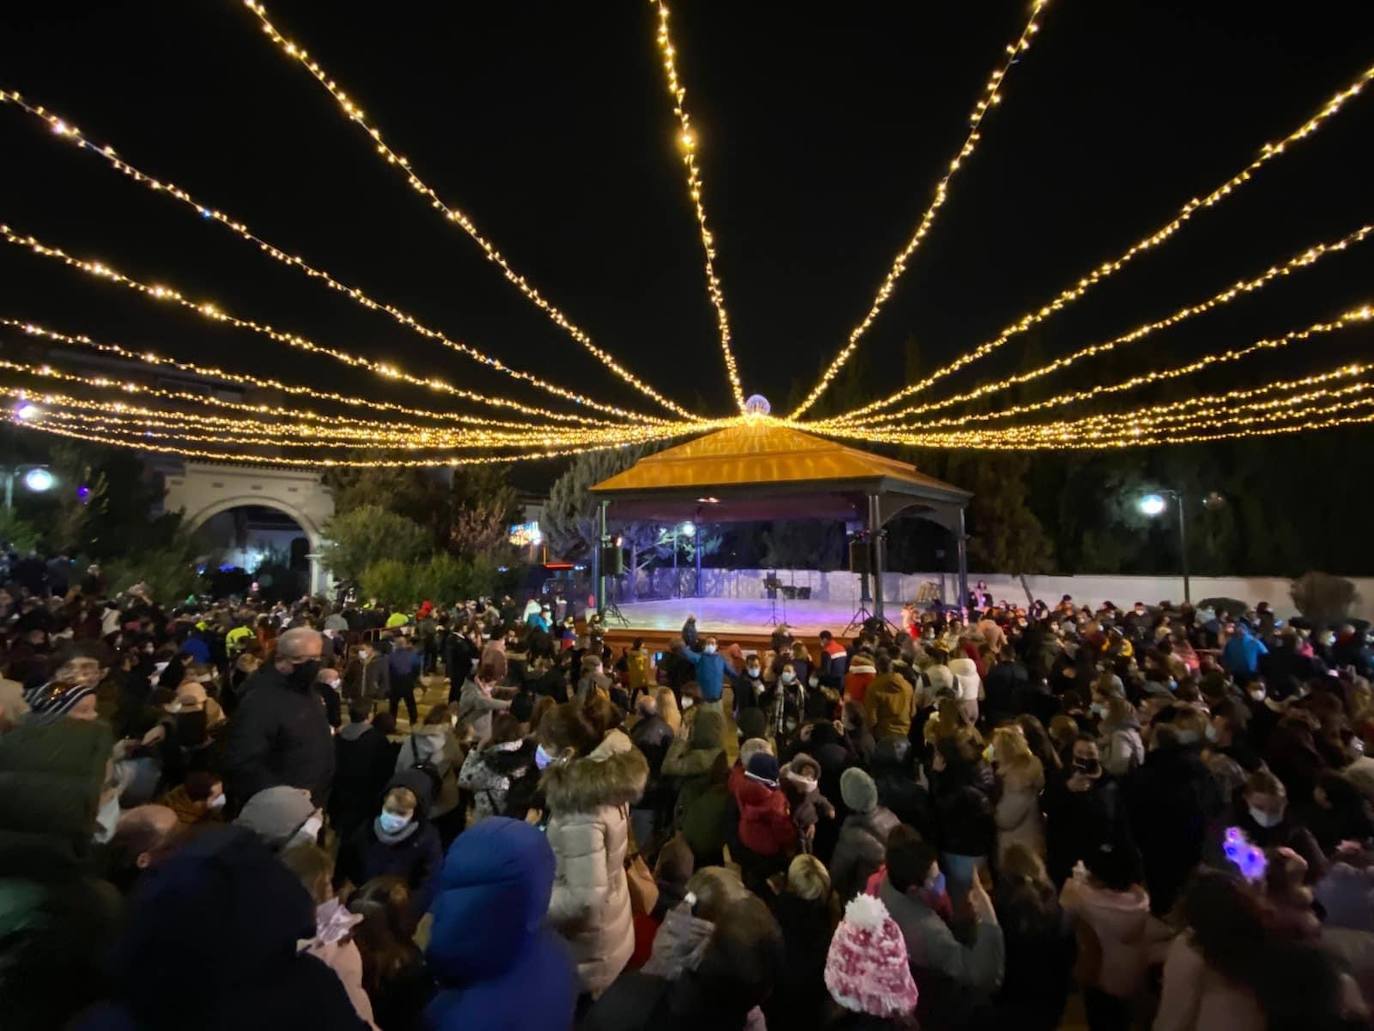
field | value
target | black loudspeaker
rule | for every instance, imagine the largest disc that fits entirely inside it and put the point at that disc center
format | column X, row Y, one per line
column 858, row 553
column 612, row 560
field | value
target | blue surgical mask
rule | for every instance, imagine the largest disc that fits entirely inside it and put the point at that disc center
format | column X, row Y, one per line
column 391, row 822
column 541, row 757
column 937, row 886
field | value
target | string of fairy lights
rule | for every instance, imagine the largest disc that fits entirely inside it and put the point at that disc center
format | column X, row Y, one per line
column 990, row 98
column 249, row 416
column 453, row 214
column 1270, row 151
column 687, row 144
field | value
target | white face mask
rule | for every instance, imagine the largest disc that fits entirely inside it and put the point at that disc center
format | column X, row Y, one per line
column 814, row 681
column 788, row 676
column 106, row 820
column 1265, row 819
column 710, row 649
column 754, row 671
column 216, row 803
column 687, row 703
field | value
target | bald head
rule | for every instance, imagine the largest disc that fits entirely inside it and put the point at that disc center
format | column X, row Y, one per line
column 146, row 832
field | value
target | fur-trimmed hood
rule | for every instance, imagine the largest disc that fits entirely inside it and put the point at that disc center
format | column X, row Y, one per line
column 586, row 784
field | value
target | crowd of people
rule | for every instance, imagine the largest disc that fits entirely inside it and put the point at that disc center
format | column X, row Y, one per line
column 990, row 816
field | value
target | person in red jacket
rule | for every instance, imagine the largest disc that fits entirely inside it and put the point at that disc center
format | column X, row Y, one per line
column 765, row 823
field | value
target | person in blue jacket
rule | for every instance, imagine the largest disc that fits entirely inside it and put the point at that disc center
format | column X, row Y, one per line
column 1242, row 653
column 710, row 667
column 498, row 964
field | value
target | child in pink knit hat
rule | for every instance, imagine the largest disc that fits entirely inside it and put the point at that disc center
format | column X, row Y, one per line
column 867, row 969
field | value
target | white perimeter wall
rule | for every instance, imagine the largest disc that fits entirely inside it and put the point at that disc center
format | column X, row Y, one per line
column 1088, row 589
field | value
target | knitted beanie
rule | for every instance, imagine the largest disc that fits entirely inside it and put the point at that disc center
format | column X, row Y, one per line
column 762, row 767
column 859, row 792
column 56, row 699
column 752, row 747
column 866, row 970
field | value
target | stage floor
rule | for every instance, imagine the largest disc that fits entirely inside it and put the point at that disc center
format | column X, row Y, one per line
column 738, row 615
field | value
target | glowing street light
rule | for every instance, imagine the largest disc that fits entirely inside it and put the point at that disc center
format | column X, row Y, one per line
column 39, row 480
column 1153, row 505
column 36, row 478
column 688, row 529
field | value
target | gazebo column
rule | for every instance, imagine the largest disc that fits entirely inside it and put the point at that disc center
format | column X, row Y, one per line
column 961, row 549
column 875, row 540
column 603, row 540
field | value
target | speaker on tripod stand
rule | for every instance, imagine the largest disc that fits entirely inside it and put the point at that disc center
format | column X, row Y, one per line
column 861, row 562
column 613, row 565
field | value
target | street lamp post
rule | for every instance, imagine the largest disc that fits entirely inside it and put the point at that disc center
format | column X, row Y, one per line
column 1154, row 505
column 37, row 478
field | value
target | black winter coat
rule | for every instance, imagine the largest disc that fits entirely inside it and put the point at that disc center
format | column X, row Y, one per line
column 1171, row 800
column 278, row 735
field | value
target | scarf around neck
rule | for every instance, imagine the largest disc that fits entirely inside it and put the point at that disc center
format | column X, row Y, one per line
column 393, row 839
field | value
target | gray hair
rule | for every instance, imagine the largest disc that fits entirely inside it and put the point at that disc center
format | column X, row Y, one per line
column 296, row 642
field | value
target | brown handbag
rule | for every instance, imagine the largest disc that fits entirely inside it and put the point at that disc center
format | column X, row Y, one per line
column 639, row 880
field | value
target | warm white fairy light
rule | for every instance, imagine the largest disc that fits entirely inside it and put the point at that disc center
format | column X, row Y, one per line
column 1240, row 288
column 139, row 443
column 357, row 295
column 687, row 145
column 217, row 313
column 188, row 426
column 452, row 213
column 990, row 97
column 1352, row 318
column 147, row 357
column 1234, row 407
column 1066, row 297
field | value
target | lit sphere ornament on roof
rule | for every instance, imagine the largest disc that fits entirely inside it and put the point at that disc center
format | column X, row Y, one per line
column 757, row 404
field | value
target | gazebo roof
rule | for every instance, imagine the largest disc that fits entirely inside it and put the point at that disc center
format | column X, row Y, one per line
column 764, row 469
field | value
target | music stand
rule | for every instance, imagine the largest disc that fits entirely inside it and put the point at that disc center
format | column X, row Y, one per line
column 773, row 586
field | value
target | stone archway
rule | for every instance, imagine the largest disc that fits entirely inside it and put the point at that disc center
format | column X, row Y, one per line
column 202, row 490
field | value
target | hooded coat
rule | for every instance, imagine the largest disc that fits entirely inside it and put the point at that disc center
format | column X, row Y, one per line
column 861, row 849
column 498, row 966
column 437, row 746
column 50, row 778
column 765, row 824
column 363, row 763
column 211, row 943
column 416, row 859
column 588, row 829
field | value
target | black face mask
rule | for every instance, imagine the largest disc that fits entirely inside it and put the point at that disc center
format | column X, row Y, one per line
column 1087, row 767
column 303, row 675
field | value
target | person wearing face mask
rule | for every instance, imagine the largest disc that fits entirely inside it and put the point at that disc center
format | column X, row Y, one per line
column 749, row 686
column 710, row 670
column 279, row 734
column 399, row 841
column 1261, row 812
column 1083, row 809
column 788, row 702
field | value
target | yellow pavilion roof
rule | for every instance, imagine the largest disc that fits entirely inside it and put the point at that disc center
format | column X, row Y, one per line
column 767, row 452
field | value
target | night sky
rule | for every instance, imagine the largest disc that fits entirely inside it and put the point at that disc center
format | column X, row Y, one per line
column 822, row 131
